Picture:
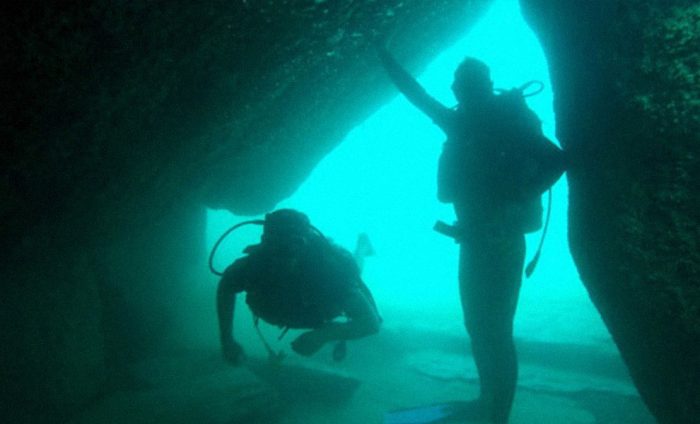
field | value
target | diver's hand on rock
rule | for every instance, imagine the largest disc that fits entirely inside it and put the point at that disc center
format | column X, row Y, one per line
column 233, row 353
column 308, row 343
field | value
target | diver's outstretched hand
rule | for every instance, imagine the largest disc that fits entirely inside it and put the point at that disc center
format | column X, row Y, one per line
column 308, row 343
column 233, row 353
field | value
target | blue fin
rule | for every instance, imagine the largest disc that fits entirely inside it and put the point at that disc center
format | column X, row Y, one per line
column 450, row 412
column 421, row 415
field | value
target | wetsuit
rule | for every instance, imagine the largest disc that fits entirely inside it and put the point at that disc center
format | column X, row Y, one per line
column 307, row 290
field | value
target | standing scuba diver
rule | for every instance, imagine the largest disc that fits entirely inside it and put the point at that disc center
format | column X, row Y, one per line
column 495, row 166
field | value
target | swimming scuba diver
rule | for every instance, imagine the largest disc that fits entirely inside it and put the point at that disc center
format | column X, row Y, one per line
column 296, row 278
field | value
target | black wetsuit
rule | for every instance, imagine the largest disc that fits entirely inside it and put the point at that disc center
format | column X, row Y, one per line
column 302, row 287
column 308, row 295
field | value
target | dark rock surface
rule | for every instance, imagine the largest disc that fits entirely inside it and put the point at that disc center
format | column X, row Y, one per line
column 186, row 389
column 121, row 120
column 625, row 78
column 110, row 106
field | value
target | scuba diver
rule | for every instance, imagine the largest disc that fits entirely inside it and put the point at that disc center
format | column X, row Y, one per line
column 494, row 168
column 296, row 278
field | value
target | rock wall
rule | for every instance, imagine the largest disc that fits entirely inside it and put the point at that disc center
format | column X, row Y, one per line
column 53, row 354
column 121, row 120
column 148, row 282
column 112, row 105
column 78, row 322
column 625, row 77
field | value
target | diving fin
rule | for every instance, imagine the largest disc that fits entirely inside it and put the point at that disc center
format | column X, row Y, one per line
column 451, row 412
column 426, row 414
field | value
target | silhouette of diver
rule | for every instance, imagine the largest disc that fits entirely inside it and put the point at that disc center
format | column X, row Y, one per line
column 297, row 278
column 495, row 165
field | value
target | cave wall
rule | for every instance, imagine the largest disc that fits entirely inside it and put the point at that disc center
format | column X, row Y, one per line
column 625, row 78
column 53, row 352
column 79, row 322
column 121, row 120
column 112, row 105
column 148, row 282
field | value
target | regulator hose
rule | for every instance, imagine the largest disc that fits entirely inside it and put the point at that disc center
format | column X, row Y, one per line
column 539, row 87
column 223, row 236
column 533, row 263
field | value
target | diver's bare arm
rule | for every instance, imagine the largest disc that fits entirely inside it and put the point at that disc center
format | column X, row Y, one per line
column 363, row 320
column 225, row 307
column 413, row 91
column 231, row 283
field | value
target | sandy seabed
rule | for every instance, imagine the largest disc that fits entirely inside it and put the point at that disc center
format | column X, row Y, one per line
column 404, row 367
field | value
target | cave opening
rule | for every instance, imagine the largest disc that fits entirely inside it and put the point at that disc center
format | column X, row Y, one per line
column 381, row 181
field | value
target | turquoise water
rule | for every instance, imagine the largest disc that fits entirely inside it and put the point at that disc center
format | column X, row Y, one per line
column 382, row 180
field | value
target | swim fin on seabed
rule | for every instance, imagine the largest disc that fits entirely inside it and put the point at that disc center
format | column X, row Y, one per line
column 451, row 412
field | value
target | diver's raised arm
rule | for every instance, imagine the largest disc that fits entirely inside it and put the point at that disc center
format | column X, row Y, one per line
column 413, row 91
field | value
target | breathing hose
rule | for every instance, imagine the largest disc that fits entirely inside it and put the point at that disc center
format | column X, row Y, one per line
column 230, row 230
column 538, row 89
column 533, row 263
column 223, row 236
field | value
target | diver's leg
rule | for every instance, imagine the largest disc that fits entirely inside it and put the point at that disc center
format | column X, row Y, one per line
column 506, row 372
column 475, row 311
column 490, row 275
